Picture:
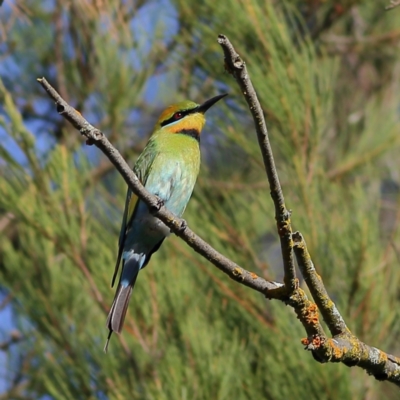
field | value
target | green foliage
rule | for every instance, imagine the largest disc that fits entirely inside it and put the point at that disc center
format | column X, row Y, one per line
column 330, row 96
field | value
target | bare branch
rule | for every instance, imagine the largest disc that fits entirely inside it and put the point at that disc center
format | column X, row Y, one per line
column 303, row 307
column 237, row 67
column 344, row 346
column 177, row 225
column 327, row 307
column 393, row 4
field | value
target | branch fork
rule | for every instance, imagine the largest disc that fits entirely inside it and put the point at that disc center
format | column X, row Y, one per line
column 343, row 346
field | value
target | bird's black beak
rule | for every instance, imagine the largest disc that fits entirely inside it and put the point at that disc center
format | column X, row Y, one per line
column 207, row 104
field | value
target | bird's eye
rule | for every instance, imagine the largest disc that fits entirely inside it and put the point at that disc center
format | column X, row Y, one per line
column 177, row 115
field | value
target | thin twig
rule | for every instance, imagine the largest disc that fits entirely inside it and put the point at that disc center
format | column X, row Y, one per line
column 237, row 67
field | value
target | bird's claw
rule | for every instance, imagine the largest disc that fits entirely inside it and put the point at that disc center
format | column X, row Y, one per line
column 182, row 225
column 157, row 207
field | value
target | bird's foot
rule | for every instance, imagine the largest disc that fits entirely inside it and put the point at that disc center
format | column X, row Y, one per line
column 183, row 225
column 157, row 207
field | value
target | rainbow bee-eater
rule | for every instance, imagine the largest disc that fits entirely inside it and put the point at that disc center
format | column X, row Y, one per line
column 168, row 168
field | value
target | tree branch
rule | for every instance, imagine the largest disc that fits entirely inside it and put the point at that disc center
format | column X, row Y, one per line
column 177, row 225
column 393, row 4
column 344, row 346
column 272, row 290
column 237, row 67
column 329, row 312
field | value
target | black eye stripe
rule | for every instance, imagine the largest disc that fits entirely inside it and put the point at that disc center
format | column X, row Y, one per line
column 183, row 115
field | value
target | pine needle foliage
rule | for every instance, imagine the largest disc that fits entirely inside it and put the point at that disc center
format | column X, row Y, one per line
column 327, row 76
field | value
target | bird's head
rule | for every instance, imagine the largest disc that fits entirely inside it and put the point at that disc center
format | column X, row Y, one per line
column 186, row 117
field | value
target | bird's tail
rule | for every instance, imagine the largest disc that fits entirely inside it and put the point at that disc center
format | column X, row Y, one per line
column 116, row 316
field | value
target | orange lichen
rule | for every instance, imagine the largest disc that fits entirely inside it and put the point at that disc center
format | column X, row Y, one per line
column 311, row 314
column 305, row 341
column 383, row 357
column 316, row 342
column 337, row 352
column 253, row 275
column 313, row 308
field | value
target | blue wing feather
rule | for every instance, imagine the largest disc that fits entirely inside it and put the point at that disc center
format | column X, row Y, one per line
column 142, row 169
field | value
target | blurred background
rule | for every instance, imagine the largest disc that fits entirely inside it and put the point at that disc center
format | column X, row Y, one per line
column 327, row 74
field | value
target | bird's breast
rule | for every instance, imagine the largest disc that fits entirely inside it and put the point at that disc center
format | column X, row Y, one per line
column 174, row 184
column 172, row 178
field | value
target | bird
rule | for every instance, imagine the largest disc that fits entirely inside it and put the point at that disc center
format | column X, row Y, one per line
column 167, row 168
